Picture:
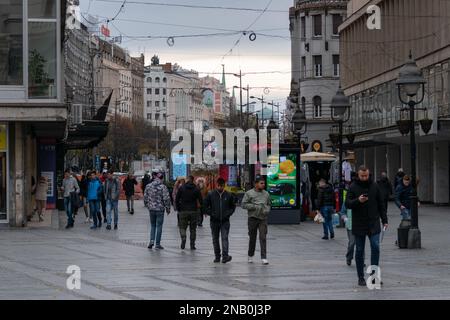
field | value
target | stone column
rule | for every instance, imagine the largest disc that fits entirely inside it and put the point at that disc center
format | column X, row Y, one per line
column 425, row 171
column 441, row 172
column 18, row 217
column 393, row 161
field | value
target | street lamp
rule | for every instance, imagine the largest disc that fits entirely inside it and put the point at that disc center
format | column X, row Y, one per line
column 409, row 82
column 340, row 107
column 299, row 126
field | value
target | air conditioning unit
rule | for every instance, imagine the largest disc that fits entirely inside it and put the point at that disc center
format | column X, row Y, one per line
column 76, row 114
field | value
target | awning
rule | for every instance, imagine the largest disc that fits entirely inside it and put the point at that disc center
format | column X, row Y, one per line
column 317, row 156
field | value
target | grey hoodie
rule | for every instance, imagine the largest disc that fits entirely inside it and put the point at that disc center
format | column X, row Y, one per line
column 257, row 203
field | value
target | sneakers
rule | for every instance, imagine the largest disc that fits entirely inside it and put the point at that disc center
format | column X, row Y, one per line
column 183, row 244
column 159, row 247
column 362, row 282
column 250, row 260
column 87, row 220
column 131, row 212
column 325, row 237
column 94, row 227
column 217, row 260
column 115, row 227
column 226, row 259
column 264, row 261
column 108, row 227
column 193, row 247
column 332, row 236
column 150, row 246
column 41, row 218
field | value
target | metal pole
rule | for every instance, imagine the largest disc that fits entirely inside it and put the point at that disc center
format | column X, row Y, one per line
column 248, row 102
column 240, row 93
column 414, row 210
column 340, row 162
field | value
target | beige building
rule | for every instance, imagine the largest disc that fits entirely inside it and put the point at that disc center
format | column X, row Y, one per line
column 370, row 64
column 137, row 76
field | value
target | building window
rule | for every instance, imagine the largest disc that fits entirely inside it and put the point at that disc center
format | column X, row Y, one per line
column 156, row 80
column 42, row 55
column 149, row 91
column 164, row 91
column 164, row 80
column 156, row 116
column 11, row 35
column 303, row 26
column 149, row 116
column 156, row 91
column 304, row 67
column 336, row 65
column 337, row 21
column 156, row 104
column 303, row 104
column 149, row 104
column 317, row 103
column 317, row 25
column 149, row 79
column 317, row 66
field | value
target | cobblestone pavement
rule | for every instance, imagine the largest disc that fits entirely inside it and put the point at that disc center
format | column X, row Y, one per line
column 118, row 265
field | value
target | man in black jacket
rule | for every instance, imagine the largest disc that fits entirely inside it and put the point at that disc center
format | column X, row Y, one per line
column 365, row 200
column 220, row 205
column 188, row 201
column 326, row 204
column 385, row 187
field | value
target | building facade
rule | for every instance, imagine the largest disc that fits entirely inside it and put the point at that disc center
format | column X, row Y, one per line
column 33, row 112
column 371, row 60
column 137, row 77
column 315, row 61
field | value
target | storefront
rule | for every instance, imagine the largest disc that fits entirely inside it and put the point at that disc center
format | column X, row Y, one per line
column 4, row 173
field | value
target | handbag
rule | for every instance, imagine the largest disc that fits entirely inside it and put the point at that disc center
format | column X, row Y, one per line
column 75, row 199
column 319, row 218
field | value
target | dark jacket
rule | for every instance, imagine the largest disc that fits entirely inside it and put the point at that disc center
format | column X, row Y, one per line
column 128, row 186
column 145, row 181
column 188, row 197
column 83, row 186
column 385, row 187
column 398, row 179
column 325, row 196
column 219, row 206
column 403, row 195
column 366, row 216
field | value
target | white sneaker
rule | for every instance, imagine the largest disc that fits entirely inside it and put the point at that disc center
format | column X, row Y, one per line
column 87, row 220
column 250, row 260
column 264, row 261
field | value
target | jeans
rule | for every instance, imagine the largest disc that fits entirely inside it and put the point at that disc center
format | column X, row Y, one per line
column 327, row 213
column 112, row 205
column 156, row 223
column 103, row 202
column 94, row 209
column 406, row 214
column 188, row 218
column 351, row 245
column 68, row 208
column 254, row 225
column 375, row 252
column 221, row 229
column 130, row 203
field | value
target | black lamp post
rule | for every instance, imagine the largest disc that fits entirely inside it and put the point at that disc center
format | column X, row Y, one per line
column 299, row 126
column 409, row 82
column 340, row 104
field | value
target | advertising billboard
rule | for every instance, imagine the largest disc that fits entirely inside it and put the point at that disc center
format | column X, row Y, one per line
column 282, row 182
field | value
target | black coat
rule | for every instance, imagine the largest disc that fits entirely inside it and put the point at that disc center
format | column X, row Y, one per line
column 385, row 187
column 128, row 186
column 218, row 206
column 188, row 197
column 366, row 216
column 325, row 196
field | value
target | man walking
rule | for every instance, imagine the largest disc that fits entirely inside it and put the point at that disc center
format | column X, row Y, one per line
column 102, row 199
column 156, row 200
column 112, row 193
column 187, row 201
column 403, row 197
column 69, row 185
column 366, row 202
column 128, row 186
column 94, row 196
column 257, row 202
column 385, row 187
column 326, row 200
column 220, row 205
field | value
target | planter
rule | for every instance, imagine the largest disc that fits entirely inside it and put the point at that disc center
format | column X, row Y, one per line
column 403, row 126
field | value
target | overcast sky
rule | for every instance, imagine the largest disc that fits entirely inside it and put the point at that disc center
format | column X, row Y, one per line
column 206, row 54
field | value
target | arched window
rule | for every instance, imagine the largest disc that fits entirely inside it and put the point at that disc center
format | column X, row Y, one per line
column 149, row 79
column 156, row 80
column 304, row 104
column 164, row 80
column 317, row 103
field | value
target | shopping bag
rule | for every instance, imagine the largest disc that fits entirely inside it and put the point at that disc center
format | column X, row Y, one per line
column 319, row 218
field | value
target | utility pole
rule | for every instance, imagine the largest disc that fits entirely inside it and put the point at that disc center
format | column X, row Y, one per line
column 115, row 135
column 240, row 93
column 248, row 103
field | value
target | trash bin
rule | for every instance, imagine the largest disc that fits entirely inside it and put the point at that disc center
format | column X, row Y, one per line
column 402, row 233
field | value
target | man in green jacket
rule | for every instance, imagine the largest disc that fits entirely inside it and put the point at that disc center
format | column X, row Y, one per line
column 258, row 204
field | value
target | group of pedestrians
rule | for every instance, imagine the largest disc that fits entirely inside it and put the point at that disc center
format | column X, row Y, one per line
column 191, row 202
column 98, row 196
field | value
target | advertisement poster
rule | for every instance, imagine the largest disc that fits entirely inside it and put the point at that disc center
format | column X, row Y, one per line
column 47, row 167
column 49, row 175
column 232, row 176
column 282, row 183
column 179, row 170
